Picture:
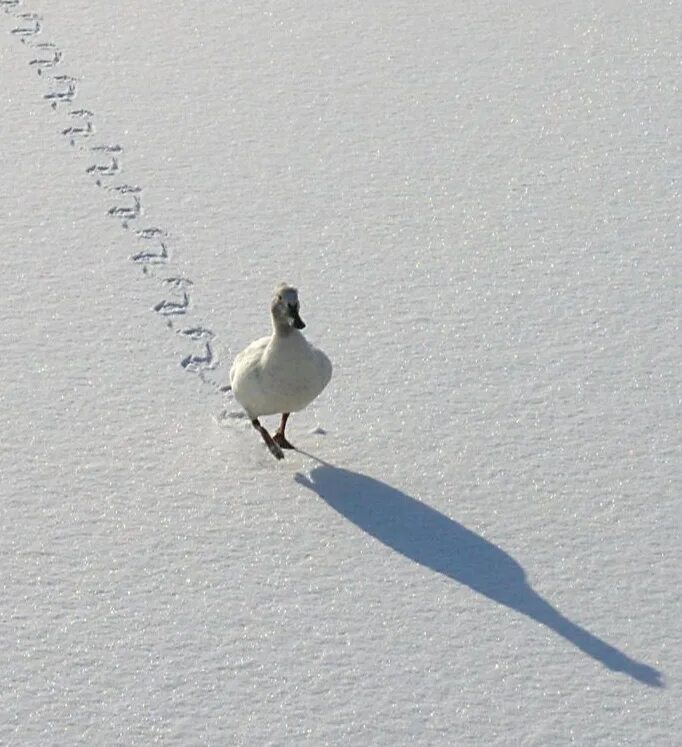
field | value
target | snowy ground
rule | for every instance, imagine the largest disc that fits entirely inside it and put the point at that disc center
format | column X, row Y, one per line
column 479, row 542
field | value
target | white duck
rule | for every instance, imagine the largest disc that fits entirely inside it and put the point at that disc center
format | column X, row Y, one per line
column 282, row 373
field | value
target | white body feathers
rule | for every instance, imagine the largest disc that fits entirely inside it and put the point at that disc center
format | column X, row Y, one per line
column 277, row 374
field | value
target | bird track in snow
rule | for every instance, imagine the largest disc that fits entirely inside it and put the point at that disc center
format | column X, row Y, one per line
column 79, row 128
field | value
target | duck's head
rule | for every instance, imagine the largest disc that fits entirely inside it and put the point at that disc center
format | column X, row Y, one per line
column 285, row 307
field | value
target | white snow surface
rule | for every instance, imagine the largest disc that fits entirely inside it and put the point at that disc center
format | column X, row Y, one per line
column 479, row 541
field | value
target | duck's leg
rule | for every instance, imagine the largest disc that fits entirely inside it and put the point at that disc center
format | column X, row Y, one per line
column 279, row 438
column 274, row 448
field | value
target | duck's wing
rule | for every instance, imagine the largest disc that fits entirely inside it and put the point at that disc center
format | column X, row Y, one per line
column 251, row 355
column 324, row 365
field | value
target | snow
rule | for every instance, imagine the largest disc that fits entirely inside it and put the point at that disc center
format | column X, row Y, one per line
column 479, row 540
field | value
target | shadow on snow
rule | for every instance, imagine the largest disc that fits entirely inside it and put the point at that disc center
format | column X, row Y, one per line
column 431, row 539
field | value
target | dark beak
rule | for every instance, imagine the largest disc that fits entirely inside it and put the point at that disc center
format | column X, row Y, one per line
column 298, row 322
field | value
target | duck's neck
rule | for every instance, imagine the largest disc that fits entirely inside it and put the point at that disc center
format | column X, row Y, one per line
column 282, row 329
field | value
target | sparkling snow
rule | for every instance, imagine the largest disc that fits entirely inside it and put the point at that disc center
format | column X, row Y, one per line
column 479, row 541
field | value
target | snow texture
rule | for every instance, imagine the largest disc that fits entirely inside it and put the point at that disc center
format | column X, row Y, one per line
column 478, row 541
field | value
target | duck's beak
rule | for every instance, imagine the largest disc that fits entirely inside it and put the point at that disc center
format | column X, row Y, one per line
column 298, row 322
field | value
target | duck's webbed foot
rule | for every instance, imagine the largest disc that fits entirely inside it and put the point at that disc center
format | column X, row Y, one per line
column 279, row 438
column 275, row 450
column 281, row 441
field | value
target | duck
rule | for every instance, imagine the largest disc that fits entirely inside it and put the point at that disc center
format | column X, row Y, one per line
column 281, row 373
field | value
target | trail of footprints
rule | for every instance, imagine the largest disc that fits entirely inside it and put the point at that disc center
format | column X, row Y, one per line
column 153, row 246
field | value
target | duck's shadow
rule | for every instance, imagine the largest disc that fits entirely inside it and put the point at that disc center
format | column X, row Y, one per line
column 435, row 541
